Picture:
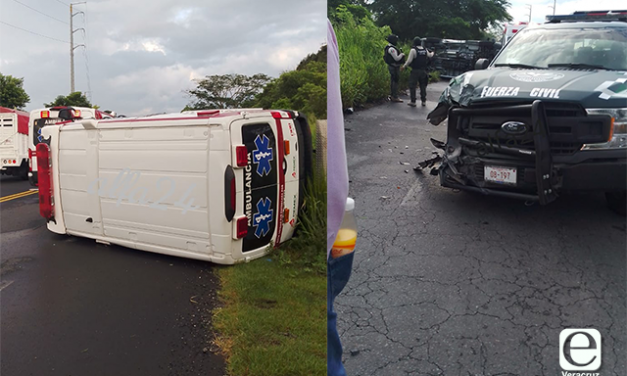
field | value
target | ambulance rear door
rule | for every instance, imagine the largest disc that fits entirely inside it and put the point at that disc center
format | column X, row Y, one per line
column 258, row 180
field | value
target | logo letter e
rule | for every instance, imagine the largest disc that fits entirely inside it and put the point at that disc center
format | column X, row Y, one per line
column 580, row 350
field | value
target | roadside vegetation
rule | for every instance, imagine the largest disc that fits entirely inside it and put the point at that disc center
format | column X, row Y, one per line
column 272, row 318
column 12, row 93
column 364, row 75
column 272, row 315
column 361, row 32
column 303, row 89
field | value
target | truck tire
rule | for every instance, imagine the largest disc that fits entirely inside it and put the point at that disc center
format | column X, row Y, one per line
column 617, row 202
column 24, row 170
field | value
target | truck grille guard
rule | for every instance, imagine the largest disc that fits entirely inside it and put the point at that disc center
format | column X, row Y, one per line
column 538, row 155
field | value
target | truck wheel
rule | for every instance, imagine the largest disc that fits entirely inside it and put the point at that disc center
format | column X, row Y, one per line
column 617, row 202
column 24, row 171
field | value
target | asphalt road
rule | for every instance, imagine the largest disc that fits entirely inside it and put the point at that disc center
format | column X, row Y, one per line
column 454, row 283
column 71, row 307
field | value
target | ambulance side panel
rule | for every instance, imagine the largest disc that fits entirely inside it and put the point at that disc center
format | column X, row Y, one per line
column 163, row 172
column 292, row 175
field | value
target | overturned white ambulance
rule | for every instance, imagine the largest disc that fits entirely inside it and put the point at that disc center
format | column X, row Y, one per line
column 217, row 185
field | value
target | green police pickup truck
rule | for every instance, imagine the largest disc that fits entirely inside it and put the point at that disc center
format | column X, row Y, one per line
column 547, row 115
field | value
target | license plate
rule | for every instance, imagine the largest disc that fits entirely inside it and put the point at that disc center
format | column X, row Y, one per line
column 501, row 175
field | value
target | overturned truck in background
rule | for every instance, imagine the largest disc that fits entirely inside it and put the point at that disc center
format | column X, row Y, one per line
column 454, row 57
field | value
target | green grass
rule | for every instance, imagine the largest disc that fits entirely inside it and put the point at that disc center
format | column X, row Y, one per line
column 272, row 319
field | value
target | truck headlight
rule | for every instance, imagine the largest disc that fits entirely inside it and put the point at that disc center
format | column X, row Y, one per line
column 618, row 135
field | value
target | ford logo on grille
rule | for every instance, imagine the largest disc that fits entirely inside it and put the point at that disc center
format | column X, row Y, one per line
column 514, row 127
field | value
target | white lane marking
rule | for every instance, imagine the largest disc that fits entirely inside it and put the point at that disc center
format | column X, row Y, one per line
column 410, row 193
column 5, row 284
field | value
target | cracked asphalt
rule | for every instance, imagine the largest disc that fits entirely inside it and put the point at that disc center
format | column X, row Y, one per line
column 455, row 283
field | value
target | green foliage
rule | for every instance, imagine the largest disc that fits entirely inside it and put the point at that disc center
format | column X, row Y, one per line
column 271, row 320
column 303, row 89
column 76, row 99
column 363, row 74
column 320, row 56
column 307, row 249
column 454, row 19
column 273, row 313
column 12, row 93
column 226, row 91
column 434, row 76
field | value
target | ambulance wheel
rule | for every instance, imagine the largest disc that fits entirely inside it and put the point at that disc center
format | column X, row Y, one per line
column 617, row 202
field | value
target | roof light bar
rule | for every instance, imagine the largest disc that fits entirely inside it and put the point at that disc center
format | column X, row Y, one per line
column 618, row 15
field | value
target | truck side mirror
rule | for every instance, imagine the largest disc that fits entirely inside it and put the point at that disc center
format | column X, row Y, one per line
column 482, row 64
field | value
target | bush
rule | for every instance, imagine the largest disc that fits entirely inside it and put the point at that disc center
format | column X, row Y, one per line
column 363, row 74
column 303, row 89
column 434, row 76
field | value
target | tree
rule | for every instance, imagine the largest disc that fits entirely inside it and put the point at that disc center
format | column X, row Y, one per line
column 455, row 19
column 76, row 99
column 12, row 94
column 303, row 89
column 226, row 91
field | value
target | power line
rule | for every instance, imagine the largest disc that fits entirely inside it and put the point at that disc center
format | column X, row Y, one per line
column 47, row 15
column 32, row 32
column 67, row 5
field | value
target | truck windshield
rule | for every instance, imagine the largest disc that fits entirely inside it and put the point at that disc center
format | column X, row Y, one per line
column 577, row 47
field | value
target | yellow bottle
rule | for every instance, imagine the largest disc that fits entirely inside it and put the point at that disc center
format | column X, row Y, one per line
column 347, row 234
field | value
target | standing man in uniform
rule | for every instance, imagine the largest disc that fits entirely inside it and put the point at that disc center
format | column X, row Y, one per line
column 418, row 60
column 393, row 57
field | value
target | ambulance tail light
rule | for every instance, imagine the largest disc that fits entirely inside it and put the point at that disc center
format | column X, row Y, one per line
column 242, row 227
column 230, row 194
column 44, row 114
column 241, row 154
column 30, row 160
column 46, row 203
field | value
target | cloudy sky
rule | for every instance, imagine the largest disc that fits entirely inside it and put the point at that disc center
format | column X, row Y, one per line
column 142, row 54
column 541, row 8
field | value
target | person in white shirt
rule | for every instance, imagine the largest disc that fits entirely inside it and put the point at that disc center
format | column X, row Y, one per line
column 418, row 60
column 393, row 57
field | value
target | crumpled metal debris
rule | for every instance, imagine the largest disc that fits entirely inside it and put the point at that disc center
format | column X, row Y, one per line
column 429, row 162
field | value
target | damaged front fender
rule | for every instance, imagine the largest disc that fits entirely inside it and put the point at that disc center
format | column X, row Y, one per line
column 459, row 92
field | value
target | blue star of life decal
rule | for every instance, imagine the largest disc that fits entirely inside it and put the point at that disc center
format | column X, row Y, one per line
column 40, row 138
column 263, row 217
column 263, row 155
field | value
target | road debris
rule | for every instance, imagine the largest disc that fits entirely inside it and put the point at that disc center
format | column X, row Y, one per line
column 428, row 162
